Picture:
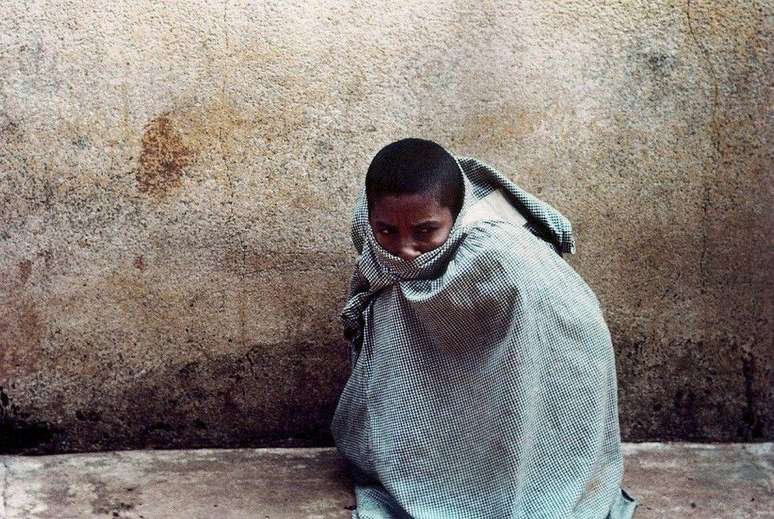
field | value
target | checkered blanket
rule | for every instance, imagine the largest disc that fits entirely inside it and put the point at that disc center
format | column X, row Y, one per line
column 483, row 379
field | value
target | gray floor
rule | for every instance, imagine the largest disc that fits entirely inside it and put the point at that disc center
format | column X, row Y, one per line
column 670, row 481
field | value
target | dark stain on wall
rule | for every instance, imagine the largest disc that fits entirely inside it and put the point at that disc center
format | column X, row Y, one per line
column 751, row 427
column 164, row 157
column 269, row 395
column 660, row 64
column 139, row 262
column 687, row 395
column 25, row 270
column 19, row 433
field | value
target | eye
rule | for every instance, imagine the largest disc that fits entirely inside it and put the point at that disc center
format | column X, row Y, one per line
column 385, row 232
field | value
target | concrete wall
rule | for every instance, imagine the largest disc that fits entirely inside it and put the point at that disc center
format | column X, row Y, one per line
column 176, row 180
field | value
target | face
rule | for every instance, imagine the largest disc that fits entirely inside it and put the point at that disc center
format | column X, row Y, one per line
column 409, row 225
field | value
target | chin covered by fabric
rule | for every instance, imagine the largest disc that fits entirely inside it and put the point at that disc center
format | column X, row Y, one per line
column 483, row 378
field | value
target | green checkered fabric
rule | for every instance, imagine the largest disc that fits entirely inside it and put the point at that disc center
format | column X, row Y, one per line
column 483, row 379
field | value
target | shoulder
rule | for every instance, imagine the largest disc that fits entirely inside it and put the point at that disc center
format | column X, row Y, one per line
column 505, row 242
column 496, row 253
column 516, row 257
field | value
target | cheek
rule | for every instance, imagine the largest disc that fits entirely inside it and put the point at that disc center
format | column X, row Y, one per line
column 437, row 239
column 388, row 242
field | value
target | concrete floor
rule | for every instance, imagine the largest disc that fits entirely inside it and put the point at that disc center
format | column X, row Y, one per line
column 670, row 480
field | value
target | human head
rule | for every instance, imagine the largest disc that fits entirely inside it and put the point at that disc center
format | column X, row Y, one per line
column 415, row 166
column 414, row 191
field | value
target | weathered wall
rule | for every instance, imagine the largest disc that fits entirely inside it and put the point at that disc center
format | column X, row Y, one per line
column 176, row 179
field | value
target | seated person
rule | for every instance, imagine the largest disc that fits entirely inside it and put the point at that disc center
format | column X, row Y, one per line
column 483, row 377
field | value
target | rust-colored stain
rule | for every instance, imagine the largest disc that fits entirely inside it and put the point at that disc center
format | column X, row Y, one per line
column 163, row 158
column 21, row 333
column 139, row 262
column 508, row 125
column 25, row 270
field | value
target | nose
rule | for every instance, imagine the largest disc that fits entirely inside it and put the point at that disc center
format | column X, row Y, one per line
column 408, row 252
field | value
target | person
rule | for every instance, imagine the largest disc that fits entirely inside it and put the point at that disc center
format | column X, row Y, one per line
column 482, row 376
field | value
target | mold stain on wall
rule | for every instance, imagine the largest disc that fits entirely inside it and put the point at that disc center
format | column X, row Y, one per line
column 19, row 432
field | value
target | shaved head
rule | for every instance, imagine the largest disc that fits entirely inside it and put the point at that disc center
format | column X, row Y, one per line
column 415, row 167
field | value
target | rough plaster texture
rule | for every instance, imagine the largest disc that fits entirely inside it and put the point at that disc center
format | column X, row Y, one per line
column 176, row 180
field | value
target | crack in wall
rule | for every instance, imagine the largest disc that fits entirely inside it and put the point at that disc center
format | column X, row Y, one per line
column 716, row 139
column 242, row 341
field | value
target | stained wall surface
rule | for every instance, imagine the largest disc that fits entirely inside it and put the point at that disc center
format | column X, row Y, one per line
column 176, row 181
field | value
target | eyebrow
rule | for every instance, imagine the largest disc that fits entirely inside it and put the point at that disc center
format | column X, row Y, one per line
column 383, row 224
column 418, row 224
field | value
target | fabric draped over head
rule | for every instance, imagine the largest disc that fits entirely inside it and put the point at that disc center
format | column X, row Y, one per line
column 379, row 268
column 483, row 378
column 481, row 179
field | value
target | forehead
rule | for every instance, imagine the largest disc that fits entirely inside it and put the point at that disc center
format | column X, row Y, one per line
column 408, row 207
